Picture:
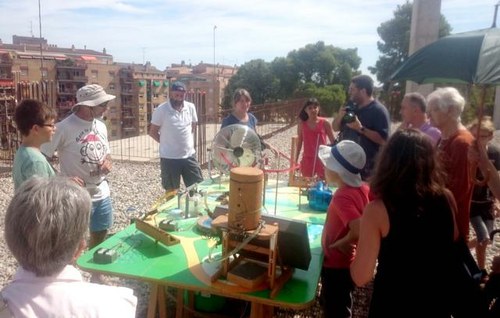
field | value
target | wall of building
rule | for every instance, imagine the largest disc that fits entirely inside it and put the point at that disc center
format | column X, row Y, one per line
column 138, row 88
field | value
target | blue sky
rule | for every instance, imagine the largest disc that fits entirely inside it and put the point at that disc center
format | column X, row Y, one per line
column 166, row 32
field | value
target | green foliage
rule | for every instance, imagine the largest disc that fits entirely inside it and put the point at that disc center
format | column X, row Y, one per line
column 323, row 64
column 308, row 71
column 288, row 78
column 473, row 97
column 256, row 77
column 330, row 97
column 394, row 48
column 395, row 41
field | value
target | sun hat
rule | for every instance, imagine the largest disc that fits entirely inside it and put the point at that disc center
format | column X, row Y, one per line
column 346, row 158
column 178, row 87
column 92, row 95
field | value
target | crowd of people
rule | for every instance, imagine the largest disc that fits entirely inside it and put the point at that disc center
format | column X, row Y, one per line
column 402, row 205
column 411, row 232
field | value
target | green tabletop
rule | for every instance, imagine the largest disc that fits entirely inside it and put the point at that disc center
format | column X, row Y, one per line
column 187, row 265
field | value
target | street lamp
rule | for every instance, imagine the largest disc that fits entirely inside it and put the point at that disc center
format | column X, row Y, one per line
column 214, row 107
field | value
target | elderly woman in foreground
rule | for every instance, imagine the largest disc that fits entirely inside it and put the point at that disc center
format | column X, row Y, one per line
column 45, row 229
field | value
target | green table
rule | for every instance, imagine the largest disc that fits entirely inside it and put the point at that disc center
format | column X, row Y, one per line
column 185, row 267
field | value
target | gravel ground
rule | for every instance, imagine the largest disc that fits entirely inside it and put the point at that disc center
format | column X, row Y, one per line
column 137, row 185
column 133, row 184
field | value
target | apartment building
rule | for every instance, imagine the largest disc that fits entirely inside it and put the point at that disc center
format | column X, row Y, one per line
column 31, row 67
column 206, row 82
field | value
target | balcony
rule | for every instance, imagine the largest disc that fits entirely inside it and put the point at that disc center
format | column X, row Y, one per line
column 129, row 128
column 67, row 92
column 65, row 105
column 126, row 80
column 79, row 79
column 71, row 67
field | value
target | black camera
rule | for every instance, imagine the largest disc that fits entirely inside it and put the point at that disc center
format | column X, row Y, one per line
column 350, row 114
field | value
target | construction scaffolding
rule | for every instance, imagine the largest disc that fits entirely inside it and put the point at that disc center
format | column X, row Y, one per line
column 9, row 140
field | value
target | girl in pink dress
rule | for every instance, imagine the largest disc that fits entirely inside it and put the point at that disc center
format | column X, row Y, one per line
column 312, row 132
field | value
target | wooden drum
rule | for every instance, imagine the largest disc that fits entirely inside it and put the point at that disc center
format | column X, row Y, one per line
column 245, row 197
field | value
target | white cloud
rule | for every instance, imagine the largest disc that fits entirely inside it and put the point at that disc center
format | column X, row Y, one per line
column 165, row 31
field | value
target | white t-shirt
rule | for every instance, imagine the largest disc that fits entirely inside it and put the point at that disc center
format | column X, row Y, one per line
column 176, row 136
column 66, row 295
column 81, row 146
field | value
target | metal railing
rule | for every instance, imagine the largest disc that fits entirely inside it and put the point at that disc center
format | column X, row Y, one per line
column 272, row 119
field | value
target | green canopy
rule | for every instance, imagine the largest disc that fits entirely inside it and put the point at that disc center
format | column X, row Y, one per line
column 470, row 57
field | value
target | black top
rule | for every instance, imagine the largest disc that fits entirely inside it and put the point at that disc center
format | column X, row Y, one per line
column 411, row 273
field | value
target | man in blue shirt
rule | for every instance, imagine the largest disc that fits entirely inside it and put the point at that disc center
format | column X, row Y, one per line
column 370, row 125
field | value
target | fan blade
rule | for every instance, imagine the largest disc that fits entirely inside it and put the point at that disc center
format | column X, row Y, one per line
column 238, row 137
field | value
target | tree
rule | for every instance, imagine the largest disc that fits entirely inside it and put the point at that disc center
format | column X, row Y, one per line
column 395, row 41
column 315, row 65
column 256, row 77
column 320, row 64
column 285, row 72
column 330, row 97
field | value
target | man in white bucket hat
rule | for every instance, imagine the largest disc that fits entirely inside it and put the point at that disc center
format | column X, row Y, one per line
column 81, row 142
column 343, row 164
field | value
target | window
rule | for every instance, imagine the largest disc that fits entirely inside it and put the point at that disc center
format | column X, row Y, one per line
column 24, row 71
column 45, row 72
column 112, row 74
column 93, row 74
column 112, row 86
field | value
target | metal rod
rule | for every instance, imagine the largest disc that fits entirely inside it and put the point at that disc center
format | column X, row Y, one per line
column 40, row 28
column 315, row 156
column 494, row 25
column 215, row 107
column 276, row 191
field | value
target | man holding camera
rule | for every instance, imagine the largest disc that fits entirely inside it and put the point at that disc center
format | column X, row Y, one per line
column 366, row 122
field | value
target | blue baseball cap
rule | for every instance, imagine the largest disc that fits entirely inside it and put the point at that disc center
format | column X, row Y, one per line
column 178, row 87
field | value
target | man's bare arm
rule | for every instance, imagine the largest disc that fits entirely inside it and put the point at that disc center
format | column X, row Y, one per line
column 154, row 132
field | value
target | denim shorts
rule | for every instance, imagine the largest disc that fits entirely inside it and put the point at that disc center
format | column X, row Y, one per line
column 482, row 227
column 101, row 217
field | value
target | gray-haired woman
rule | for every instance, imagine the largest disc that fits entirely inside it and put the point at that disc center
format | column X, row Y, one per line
column 45, row 229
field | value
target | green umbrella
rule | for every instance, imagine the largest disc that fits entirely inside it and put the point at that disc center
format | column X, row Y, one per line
column 470, row 57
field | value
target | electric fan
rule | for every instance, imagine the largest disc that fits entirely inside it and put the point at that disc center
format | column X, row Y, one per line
column 235, row 146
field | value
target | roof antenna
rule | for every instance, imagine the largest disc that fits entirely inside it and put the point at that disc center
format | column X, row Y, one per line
column 494, row 25
column 42, row 71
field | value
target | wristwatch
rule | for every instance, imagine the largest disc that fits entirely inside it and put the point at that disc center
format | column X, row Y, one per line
column 362, row 130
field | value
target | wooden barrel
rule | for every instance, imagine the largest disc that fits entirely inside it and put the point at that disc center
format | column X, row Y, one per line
column 245, row 197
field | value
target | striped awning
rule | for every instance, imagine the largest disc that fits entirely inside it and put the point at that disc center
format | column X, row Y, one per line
column 88, row 58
